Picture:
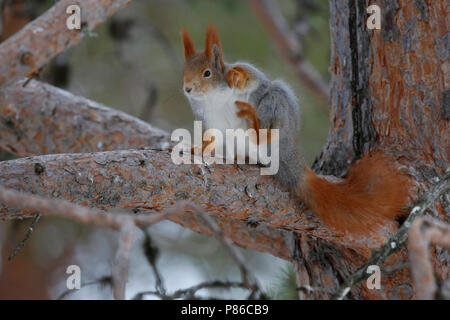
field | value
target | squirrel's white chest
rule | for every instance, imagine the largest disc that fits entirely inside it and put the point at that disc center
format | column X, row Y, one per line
column 218, row 111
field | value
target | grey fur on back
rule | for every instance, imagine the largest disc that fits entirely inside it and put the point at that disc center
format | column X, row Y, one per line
column 278, row 108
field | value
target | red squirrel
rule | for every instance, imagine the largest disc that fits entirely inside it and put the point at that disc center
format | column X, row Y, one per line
column 228, row 96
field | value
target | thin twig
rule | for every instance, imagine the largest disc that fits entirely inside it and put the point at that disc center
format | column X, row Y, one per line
column 399, row 239
column 278, row 29
column 27, row 236
column 119, row 268
column 84, row 215
column 103, row 281
column 309, row 289
column 249, row 281
column 151, row 253
column 127, row 225
column 124, row 222
column 189, row 293
column 247, row 275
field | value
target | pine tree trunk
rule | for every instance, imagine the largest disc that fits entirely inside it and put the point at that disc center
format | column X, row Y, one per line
column 389, row 92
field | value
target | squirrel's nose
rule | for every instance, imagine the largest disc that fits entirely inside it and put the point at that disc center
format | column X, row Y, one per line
column 188, row 89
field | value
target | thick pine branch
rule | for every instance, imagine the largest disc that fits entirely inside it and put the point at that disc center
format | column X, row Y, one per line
column 47, row 36
column 249, row 208
column 42, row 119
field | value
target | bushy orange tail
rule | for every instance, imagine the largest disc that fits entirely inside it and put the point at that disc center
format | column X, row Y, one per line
column 365, row 203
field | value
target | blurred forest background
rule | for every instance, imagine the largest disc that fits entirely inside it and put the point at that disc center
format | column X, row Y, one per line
column 133, row 63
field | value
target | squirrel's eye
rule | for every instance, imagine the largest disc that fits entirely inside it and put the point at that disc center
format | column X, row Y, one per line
column 207, row 73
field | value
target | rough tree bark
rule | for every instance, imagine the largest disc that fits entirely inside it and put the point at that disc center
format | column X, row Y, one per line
column 145, row 181
column 388, row 92
column 41, row 119
column 50, row 29
column 12, row 18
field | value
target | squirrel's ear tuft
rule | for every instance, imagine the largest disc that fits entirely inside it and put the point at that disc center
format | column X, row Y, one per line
column 213, row 48
column 188, row 44
column 217, row 57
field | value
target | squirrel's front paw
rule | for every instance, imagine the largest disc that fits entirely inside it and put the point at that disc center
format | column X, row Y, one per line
column 237, row 77
column 246, row 110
